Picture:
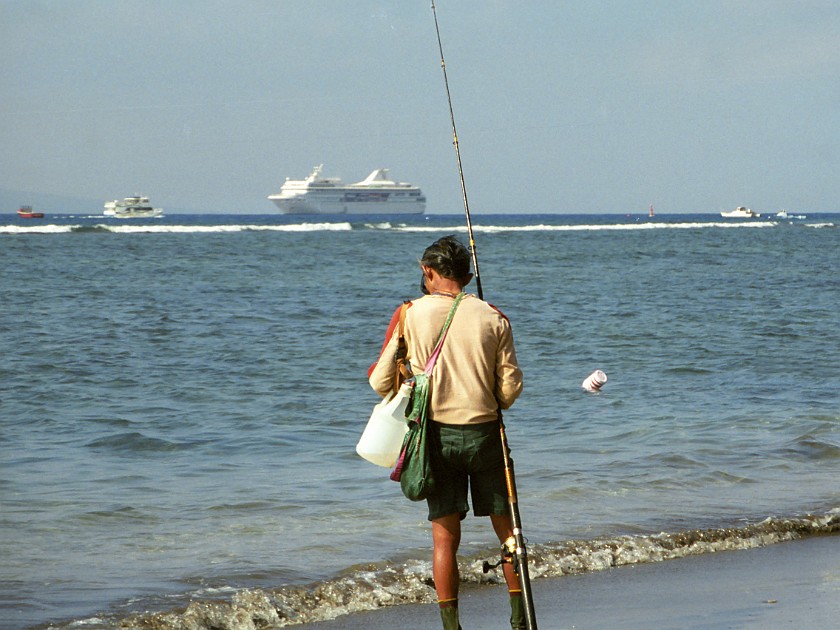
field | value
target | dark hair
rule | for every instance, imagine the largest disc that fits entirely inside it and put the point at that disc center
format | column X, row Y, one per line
column 449, row 258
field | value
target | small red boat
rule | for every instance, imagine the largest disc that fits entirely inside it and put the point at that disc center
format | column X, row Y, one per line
column 25, row 212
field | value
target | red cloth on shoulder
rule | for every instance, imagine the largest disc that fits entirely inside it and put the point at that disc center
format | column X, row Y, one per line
column 498, row 311
column 392, row 326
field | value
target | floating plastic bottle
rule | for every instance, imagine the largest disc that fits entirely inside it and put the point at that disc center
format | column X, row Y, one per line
column 594, row 381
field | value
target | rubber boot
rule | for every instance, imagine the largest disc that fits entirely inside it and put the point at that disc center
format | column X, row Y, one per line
column 449, row 614
column 517, row 611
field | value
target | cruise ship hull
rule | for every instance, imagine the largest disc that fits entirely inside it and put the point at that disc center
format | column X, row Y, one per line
column 375, row 195
column 320, row 205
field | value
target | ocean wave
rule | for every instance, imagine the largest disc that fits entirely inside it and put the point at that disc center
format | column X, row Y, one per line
column 36, row 229
column 346, row 226
column 592, row 227
column 174, row 229
column 206, row 229
column 374, row 586
column 385, row 225
column 134, row 443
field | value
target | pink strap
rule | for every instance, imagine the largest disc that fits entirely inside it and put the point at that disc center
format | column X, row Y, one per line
column 430, row 364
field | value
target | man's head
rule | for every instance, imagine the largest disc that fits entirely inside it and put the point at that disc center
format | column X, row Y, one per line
column 449, row 258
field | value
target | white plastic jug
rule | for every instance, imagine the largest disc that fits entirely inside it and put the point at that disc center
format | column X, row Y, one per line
column 383, row 436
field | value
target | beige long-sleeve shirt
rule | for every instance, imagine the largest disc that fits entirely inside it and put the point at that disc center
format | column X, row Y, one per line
column 476, row 372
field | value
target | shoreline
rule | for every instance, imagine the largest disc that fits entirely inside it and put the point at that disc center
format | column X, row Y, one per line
column 794, row 584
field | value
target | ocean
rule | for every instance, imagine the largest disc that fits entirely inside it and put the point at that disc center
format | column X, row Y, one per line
column 181, row 398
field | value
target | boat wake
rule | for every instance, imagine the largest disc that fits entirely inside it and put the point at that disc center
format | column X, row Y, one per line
column 378, row 585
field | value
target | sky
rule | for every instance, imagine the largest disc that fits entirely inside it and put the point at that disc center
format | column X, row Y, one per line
column 561, row 107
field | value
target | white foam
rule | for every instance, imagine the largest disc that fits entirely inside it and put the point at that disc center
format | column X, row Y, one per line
column 37, row 229
column 385, row 225
column 207, row 229
column 176, row 229
column 541, row 227
column 346, row 226
column 424, row 228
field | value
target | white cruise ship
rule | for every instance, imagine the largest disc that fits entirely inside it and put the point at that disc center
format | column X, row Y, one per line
column 376, row 194
column 131, row 208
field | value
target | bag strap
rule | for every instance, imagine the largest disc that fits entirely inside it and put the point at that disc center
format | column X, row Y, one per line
column 430, row 364
column 402, row 373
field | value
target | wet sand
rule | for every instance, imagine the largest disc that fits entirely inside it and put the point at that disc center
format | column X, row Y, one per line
column 793, row 585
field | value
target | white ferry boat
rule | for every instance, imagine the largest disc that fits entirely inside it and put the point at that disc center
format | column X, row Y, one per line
column 131, row 208
column 376, row 194
column 740, row 213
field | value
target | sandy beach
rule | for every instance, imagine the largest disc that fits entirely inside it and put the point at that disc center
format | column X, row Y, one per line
column 794, row 585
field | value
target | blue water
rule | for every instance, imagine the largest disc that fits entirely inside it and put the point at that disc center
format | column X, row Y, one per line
column 181, row 398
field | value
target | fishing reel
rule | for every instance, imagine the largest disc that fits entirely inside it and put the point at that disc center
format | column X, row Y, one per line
column 508, row 556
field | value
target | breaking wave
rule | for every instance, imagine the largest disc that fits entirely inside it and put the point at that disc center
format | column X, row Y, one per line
column 379, row 585
column 174, row 229
column 347, row 226
column 39, row 229
column 544, row 227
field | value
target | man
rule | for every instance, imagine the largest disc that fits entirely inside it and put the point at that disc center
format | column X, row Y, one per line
column 476, row 375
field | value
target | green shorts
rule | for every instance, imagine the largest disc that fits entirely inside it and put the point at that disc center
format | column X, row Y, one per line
column 467, row 456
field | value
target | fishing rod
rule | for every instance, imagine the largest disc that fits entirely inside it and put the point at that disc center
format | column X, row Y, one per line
column 458, row 156
column 514, row 550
